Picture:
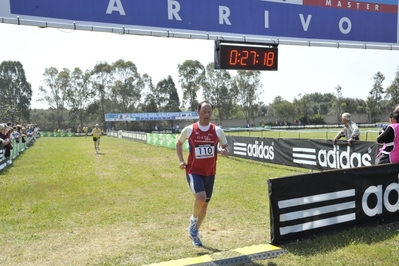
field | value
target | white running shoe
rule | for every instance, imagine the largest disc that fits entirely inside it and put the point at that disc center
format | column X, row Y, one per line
column 193, row 228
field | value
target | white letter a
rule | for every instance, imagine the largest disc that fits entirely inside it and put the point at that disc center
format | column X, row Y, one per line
column 115, row 5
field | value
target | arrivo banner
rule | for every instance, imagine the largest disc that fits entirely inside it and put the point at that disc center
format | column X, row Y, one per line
column 305, row 153
column 359, row 21
column 310, row 204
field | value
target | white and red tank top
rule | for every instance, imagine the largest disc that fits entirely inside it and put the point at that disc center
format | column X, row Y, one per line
column 203, row 151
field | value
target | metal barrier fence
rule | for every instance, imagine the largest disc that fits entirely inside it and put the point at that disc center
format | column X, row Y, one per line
column 18, row 148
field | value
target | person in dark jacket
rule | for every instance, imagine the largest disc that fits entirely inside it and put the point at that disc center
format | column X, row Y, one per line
column 389, row 138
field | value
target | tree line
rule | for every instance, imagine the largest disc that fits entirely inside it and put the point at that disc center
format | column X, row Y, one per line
column 82, row 98
column 311, row 107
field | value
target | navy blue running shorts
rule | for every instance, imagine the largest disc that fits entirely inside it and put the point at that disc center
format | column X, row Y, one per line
column 199, row 183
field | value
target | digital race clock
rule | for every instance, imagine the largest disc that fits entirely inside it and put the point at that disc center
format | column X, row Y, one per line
column 245, row 56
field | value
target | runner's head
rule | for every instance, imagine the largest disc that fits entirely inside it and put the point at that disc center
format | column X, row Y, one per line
column 204, row 111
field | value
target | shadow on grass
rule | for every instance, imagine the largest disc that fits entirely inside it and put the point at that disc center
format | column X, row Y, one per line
column 209, row 249
column 320, row 244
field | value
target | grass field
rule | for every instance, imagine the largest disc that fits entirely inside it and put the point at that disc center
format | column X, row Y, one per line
column 61, row 204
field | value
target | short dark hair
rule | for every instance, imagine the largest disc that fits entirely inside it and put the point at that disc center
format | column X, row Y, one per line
column 200, row 104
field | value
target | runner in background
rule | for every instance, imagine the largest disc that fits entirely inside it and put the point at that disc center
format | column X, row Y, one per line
column 96, row 137
column 85, row 130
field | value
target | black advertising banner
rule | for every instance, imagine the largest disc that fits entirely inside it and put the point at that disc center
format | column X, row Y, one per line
column 304, row 153
column 305, row 205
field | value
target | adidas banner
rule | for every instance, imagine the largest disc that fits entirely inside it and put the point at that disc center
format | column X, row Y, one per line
column 304, row 153
column 310, row 204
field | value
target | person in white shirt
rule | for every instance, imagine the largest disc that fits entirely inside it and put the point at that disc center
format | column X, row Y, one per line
column 350, row 131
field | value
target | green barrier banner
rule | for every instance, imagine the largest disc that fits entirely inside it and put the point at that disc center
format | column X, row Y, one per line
column 57, row 134
column 156, row 139
column 164, row 140
column 171, row 140
column 150, row 138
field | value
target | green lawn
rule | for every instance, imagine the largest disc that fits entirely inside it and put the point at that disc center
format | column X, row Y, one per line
column 61, row 204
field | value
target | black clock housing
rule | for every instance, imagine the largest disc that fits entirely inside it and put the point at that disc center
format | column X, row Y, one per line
column 245, row 56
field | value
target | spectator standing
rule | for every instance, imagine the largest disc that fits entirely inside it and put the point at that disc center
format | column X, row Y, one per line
column 15, row 134
column 23, row 133
column 3, row 135
column 389, row 138
column 6, row 140
column 29, row 132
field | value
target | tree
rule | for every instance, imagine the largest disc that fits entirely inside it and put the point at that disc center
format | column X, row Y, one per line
column 392, row 92
column 150, row 106
column 56, row 94
column 44, row 118
column 263, row 109
column 81, row 94
column 374, row 98
column 303, row 105
column 64, row 81
column 282, row 108
column 102, row 81
column 217, row 89
column 162, row 98
column 192, row 77
column 247, row 88
column 148, row 93
column 352, row 105
column 167, row 97
column 128, row 85
column 321, row 102
column 337, row 101
column 16, row 92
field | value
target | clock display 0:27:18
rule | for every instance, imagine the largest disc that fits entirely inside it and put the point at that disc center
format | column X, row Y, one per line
column 248, row 58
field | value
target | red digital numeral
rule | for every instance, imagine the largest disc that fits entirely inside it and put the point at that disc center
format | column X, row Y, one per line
column 268, row 59
column 233, row 57
column 244, row 58
column 254, row 53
